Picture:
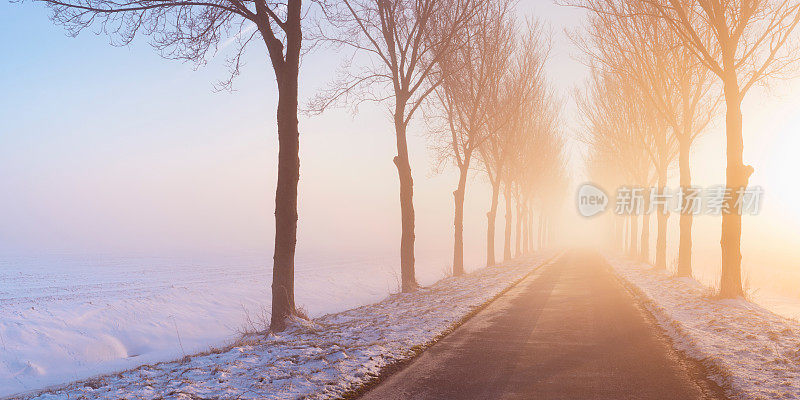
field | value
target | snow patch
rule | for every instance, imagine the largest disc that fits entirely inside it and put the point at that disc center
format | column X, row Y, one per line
column 323, row 358
column 69, row 318
column 750, row 351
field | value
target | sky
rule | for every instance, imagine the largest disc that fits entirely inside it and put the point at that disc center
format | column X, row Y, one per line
column 114, row 150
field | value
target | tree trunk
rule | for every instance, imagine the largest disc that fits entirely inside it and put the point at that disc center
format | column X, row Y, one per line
column 634, row 236
column 661, row 222
column 685, row 235
column 509, row 225
column 286, row 74
column 407, row 275
column 644, row 246
column 458, row 243
column 736, row 177
column 491, row 217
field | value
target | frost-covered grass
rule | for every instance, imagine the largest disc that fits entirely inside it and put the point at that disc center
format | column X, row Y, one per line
column 326, row 357
column 750, row 351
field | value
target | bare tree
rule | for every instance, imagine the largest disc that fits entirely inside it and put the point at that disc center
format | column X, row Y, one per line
column 534, row 161
column 743, row 42
column 404, row 40
column 617, row 127
column 470, row 74
column 522, row 81
column 629, row 38
column 192, row 30
column 540, row 170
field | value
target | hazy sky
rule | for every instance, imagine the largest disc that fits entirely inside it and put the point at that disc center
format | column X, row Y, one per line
column 118, row 151
column 109, row 149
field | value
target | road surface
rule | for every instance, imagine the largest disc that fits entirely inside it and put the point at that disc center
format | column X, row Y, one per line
column 570, row 331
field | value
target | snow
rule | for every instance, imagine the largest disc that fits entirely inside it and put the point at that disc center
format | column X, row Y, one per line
column 127, row 322
column 750, row 351
column 68, row 318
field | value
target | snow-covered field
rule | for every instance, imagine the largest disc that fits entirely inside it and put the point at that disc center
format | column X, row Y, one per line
column 747, row 349
column 65, row 319
column 324, row 358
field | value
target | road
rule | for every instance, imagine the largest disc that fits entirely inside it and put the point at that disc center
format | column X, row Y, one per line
column 569, row 331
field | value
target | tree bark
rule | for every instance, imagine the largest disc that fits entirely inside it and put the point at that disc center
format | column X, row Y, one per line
column 490, row 229
column 407, row 274
column 458, row 243
column 283, row 304
column 287, row 77
column 736, row 176
column 509, row 225
column 685, row 234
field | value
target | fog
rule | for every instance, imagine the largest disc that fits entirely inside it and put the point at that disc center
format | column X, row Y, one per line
column 135, row 156
column 215, row 201
column 770, row 240
column 93, row 170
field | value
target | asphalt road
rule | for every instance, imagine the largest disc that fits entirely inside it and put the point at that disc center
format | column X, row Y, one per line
column 570, row 331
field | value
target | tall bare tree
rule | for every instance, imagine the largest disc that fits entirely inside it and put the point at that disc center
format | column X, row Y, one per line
column 617, row 127
column 470, row 74
column 522, row 81
column 534, row 162
column 404, row 40
column 628, row 37
column 540, row 170
column 192, row 30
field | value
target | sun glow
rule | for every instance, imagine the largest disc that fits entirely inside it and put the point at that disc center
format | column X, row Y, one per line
column 780, row 165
